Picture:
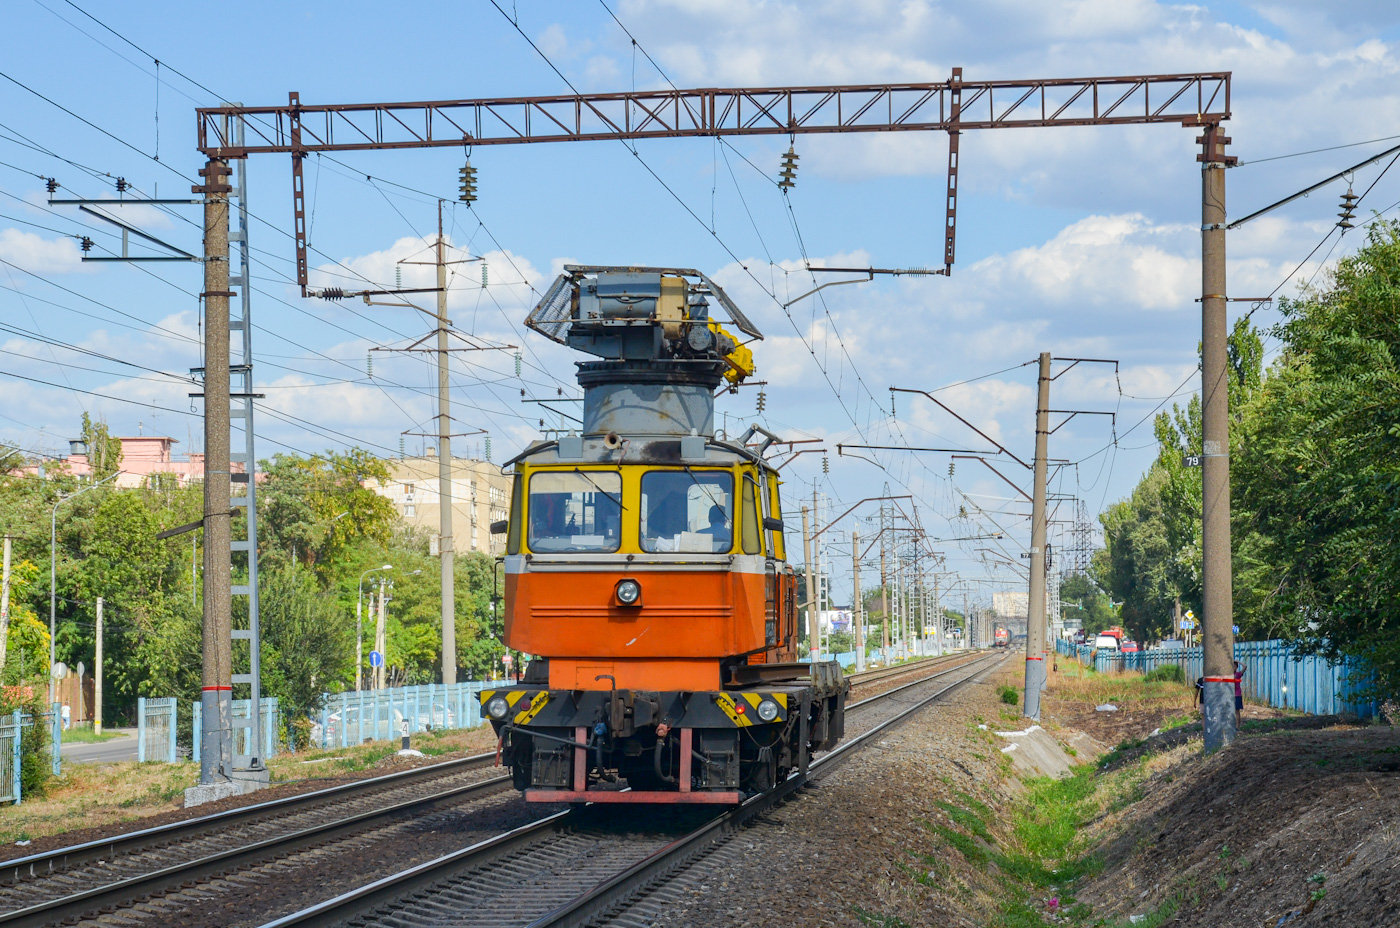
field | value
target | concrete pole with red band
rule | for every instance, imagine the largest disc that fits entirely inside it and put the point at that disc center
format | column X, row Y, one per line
column 1217, row 619
column 216, row 737
column 1035, row 615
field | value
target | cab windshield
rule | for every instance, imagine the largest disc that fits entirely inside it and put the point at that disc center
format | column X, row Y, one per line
column 687, row 511
column 575, row 511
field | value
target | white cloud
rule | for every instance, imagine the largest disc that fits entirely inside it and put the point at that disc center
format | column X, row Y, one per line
column 1101, row 260
column 41, row 255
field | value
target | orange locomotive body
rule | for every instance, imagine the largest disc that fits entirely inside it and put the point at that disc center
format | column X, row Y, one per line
column 646, row 572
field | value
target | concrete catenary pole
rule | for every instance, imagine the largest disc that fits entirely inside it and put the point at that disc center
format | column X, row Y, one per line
column 5, row 606
column 1218, row 636
column 857, row 606
column 381, row 643
column 97, row 675
column 216, row 741
column 445, row 495
column 937, row 619
column 1035, row 619
column 884, row 595
column 813, row 644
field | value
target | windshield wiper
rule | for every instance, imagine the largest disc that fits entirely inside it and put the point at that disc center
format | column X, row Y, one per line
column 617, row 500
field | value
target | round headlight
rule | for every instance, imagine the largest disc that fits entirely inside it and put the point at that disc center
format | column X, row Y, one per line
column 497, row 708
column 768, row 710
column 628, row 592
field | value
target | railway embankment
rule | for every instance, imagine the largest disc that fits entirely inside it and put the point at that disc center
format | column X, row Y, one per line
column 1103, row 817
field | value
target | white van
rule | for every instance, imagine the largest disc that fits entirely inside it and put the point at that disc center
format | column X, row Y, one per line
column 1106, row 642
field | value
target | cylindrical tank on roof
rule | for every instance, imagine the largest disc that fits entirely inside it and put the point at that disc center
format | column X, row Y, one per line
column 649, row 398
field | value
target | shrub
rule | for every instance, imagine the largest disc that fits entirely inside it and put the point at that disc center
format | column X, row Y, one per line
column 1167, row 673
column 1009, row 695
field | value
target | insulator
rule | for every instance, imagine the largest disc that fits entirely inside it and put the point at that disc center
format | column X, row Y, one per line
column 332, row 293
column 485, row 275
column 467, row 183
column 1348, row 212
column 517, row 368
column 51, row 185
column 401, row 447
column 487, row 445
column 398, row 277
column 789, row 171
column 951, row 464
column 369, row 364
column 85, row 244
column 122, row 185
column 762, row 400
column 826, row 464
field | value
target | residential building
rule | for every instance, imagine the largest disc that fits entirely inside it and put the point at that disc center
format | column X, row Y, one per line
column 480, row 496
column 144, row 457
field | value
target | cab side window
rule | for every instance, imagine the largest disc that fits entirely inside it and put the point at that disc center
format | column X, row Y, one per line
column 751, row 523
column 775, row 509
column 516, row 505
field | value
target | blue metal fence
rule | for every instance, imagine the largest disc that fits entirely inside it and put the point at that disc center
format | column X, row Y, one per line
column 1275, row 674
column 155, row 729
column 240, row 709
column 12, row 728
column 379, row 715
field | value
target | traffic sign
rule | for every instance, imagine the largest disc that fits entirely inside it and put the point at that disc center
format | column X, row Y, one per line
column 375, row 659
column 59, row 670
column 507, row 660
column 1187, row 623
column 1235, row 629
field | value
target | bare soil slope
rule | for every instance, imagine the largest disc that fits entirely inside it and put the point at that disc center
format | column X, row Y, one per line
column 1295, row 827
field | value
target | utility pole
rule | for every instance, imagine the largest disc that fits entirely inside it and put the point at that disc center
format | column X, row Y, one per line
column 884, row 594
column 5, row 607
column 1035, row 619
column 380, row 640
column 444, row 418
column 97, row 675
column 857, row 605
column 937, row 620
column 216, row 742
column 812, row 641
column 817, row 572
column 1218, row 600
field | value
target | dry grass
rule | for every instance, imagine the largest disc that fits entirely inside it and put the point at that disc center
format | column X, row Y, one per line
column 96, row 795
column 1073, row 682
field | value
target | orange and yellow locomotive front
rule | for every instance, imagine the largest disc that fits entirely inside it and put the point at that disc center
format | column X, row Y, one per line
column 647, row 576
column 661, row 614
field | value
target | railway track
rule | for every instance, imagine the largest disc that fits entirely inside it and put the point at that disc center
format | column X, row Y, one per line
column 70, row 882
column 869, row 677
column 595, row 860
column 109, row 875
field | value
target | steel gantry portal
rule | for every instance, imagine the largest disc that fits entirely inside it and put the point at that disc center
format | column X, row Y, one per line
column 955, row 105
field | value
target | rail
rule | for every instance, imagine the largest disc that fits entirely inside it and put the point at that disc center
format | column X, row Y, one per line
column 654, row 867
column 111, row 884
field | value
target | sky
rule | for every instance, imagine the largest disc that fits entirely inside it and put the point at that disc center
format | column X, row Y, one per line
column 1083, row 242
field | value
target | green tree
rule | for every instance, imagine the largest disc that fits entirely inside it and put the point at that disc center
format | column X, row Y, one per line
column 1081, row 598
column 1320, row 468
column 307, row 644
column 104, row 453
column 314, row 510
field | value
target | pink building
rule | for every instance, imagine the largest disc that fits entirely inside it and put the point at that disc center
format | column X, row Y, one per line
column 144, row 456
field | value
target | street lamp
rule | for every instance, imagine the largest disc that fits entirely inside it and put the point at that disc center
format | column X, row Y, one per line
column 359, row 625
column 53, row 572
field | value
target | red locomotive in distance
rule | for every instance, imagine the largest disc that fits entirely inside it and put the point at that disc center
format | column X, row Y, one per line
column 1001, row 638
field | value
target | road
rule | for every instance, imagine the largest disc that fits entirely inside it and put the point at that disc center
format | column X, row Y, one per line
column 105, row 752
